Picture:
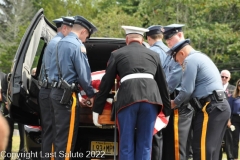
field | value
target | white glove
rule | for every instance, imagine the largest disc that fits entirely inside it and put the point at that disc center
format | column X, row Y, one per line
column 79, row 97
column 95, row 119
column 232, row 127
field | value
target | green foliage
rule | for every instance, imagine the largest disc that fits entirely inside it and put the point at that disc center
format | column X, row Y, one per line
column 212, row 26
column 38, row 54
column 111, row 27
column 130, row 7
column 15, row 20
column 57, row 8
column 7, row 58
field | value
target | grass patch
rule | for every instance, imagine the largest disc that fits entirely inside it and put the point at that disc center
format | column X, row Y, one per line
column 15, row 146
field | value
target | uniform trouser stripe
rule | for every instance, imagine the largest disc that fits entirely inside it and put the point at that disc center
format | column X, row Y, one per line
column 52, row 157
column 204, row 132
column 71, row 127
column 176, row 136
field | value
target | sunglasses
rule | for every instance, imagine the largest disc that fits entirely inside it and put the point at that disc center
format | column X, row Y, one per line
column 224, row 77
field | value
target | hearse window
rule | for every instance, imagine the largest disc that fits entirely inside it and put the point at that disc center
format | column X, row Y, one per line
column 38, row 57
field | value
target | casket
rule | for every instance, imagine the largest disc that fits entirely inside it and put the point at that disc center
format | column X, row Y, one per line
column 86, row 112
column 105, row 117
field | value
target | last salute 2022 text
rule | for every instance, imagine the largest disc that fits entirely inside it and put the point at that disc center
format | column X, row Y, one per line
column 87, row 154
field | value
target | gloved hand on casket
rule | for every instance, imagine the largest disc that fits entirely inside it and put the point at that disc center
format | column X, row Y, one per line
column 89, row 102
column 85, row 102
column 95, row 119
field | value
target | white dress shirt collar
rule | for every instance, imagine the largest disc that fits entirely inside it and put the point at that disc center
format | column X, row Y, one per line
column 225, row 86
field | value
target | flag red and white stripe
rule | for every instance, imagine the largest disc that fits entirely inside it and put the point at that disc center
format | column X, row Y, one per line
column 161, row 120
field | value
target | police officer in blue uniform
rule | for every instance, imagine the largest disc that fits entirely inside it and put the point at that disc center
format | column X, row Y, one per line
column 175, row 135
column 141, row 95
column 201, row 83
column 154, row 37
column 47, row 115
column 63, row 30
column 72, row 69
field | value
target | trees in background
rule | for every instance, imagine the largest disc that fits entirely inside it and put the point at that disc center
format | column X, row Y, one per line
column 15, row 17
column 212, row 26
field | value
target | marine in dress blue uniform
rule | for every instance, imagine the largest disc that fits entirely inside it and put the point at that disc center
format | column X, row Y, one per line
column 154, row 37
column 175, row 135
column 73, row 68
column 201, row 83
column 141, row 95
column 47, row 118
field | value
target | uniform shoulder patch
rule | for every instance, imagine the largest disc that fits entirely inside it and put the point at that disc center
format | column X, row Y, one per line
column 184, row 66
column 83, row 49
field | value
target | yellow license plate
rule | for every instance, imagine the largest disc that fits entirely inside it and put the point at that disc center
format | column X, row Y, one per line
column 106, row 148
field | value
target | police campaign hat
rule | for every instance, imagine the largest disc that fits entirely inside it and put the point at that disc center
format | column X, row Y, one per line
column 172, row 29
column 58, row 22
column 68, row 21
column 134, row 30
column 86, row 24
column 155, row 29
column 177, row 47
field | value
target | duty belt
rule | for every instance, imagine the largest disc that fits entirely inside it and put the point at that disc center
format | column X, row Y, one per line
column 46, row 85
column 209, row 98
column 49, row 85
column 198, row 104
column 55, row 85
column 213, row 97
column 136, row 75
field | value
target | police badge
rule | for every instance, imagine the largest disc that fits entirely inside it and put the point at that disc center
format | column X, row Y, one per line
column 83, row 49
column 162, row 30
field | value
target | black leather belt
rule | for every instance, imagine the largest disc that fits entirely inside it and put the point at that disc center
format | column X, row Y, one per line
column 209, row 98
column 217, row 96
column 236, row 114
column 49, row 86
column 54, row 84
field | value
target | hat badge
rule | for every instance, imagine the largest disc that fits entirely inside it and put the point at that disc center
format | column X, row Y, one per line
column 162, row 29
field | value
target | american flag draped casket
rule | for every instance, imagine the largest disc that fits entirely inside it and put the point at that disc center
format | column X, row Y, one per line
column 105, row 117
